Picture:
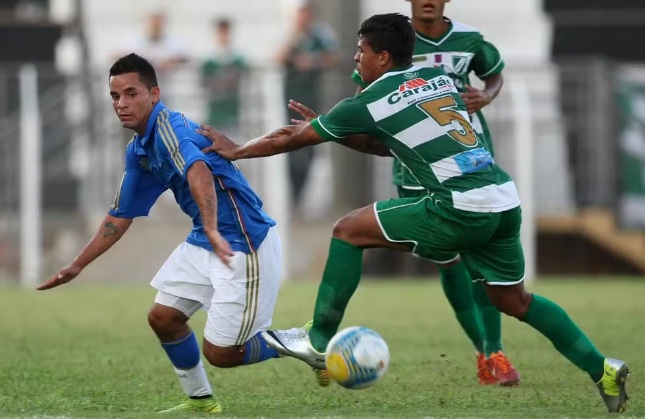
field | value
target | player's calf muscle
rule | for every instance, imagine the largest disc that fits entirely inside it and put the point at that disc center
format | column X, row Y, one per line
column 223, row 357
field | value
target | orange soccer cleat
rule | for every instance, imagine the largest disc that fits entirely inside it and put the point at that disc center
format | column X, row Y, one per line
column 502, row 369
column 484, row 375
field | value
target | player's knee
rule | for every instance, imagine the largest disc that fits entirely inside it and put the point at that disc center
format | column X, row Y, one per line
column 513, row 301
column 161, row 320
column 222, row 357
column 343, row 229
column 350, row 229
column 517, row 306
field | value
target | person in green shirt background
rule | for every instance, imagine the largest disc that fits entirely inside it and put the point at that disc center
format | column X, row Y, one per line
column 222, row 75
column 310, row 49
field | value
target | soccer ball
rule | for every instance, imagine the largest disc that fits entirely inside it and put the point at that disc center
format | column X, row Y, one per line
column 357, row 357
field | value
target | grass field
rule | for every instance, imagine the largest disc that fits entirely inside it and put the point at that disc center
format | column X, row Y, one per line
column 86, row 351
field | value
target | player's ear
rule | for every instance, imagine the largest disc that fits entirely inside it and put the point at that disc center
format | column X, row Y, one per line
column 384, row 58
column 155, row 92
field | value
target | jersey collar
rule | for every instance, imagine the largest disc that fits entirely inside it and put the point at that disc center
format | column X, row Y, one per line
column 152, row 119
column 394, row 72
column 437, row 41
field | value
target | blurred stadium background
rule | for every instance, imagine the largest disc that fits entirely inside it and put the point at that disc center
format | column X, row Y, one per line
column 569, row 124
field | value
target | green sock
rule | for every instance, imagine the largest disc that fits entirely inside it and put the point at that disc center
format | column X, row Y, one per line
column 554, row 323
column 340, row 279
column 456, row 283
column 491, row 318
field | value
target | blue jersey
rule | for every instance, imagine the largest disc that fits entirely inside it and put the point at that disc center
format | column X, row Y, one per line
column 160, row 159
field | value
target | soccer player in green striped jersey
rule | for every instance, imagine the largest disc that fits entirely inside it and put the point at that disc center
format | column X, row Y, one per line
column 472, row 207
column 460, row 49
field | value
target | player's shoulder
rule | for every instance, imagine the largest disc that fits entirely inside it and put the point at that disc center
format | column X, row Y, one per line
column 461, row 27
column 413, row 79
column 394, row 78
column 353, row 104
column 177, row 122
column 430, row 72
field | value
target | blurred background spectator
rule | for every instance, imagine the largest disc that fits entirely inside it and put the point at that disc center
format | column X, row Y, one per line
column 573, row 88
column 30, row 10
column 222, row 74
column 165, row 51
column 310, row 49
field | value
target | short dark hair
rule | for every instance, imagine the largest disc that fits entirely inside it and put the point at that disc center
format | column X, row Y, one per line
column 132, row 63
column 222, row 23
column 391, row 32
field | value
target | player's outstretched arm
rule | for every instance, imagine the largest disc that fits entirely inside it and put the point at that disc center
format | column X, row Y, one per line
column 359, row 142
column 366, row 144
column 282, row 140
column 200, row 181
column 110, row 231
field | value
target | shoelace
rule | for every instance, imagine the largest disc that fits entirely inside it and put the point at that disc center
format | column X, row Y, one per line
column 501, row 363
column 294, row 334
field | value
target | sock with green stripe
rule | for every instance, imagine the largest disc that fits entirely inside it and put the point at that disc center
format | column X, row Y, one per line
column 456, row 284
column 554, row 323
column 340, row 279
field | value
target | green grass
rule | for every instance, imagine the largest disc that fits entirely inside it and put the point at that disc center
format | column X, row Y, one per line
column 86, row 351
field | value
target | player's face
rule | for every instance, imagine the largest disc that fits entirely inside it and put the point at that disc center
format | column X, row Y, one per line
column 428, row 10
column 132, row 100
column 369, row 64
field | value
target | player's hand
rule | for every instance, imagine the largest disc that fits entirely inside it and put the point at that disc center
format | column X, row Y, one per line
column 307, row 113
column 221, row 247
column 62, row 277
column 222, row 145
column 474, row 99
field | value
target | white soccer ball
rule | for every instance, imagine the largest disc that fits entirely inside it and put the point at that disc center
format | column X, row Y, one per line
column 357, row 357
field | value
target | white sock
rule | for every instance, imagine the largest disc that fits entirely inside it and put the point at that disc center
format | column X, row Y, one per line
column 194, row 381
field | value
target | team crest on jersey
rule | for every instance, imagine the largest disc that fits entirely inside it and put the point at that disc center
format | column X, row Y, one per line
column 411, row 76
column 452, row 62
column 460, row 63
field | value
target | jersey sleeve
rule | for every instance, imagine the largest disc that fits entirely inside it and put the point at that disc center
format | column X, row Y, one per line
column 346, row 118
column 138, row 190
column 356, row 78
column 177, row 150
column 487, row 61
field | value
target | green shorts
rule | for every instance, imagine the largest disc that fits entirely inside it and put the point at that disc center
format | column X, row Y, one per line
column 488, row 243
column 410, row 193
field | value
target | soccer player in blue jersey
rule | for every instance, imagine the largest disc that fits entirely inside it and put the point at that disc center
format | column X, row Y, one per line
column 230, row 261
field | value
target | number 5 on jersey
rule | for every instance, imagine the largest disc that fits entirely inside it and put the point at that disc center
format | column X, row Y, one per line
column 442, row 110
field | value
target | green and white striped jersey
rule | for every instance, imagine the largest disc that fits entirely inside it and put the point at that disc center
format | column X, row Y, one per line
column 418, row 114
column 460, row 51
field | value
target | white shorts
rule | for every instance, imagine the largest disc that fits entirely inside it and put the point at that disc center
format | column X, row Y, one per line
column 239, row 301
